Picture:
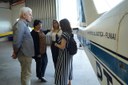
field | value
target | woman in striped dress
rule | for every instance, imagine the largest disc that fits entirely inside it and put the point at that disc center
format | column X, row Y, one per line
column 63, row 71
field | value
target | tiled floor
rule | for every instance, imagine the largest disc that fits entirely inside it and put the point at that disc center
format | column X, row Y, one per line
column 10, row 69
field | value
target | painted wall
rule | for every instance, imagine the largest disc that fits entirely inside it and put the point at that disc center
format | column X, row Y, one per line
column 15, row 12
column 5, row 18
column 8, row 17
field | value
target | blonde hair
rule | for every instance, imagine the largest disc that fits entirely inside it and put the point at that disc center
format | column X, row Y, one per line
column 24, row 10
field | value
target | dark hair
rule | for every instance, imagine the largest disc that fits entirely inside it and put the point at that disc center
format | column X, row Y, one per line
column 36, row 22
column 65, row 26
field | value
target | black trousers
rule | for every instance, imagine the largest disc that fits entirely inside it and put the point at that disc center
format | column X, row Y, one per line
column 41, row 64
column 55, row 52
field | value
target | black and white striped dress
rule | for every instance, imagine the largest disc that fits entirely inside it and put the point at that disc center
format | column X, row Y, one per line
column 63, row 71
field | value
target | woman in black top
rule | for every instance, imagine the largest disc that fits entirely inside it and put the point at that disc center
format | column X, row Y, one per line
column 40, row 57
column 55, row 35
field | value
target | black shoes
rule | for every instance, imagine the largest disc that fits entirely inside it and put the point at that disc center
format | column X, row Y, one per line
column 43, row 79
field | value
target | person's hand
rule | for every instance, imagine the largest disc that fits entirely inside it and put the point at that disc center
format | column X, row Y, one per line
column 55, row 44
column 14, row 56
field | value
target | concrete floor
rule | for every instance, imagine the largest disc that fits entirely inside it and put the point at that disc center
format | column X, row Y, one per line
column 10, row 69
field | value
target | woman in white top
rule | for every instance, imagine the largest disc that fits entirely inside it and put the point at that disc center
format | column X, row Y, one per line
column 55, row 34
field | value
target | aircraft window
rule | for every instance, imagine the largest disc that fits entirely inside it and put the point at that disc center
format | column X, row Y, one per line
column 105, row 5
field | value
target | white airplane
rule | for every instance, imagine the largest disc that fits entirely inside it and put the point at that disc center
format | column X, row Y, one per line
column 106, row 45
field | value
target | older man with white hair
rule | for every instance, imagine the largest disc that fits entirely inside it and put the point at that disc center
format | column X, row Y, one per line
column 23, row 47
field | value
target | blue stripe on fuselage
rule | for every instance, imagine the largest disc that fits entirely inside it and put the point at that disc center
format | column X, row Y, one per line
column 110, row 61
